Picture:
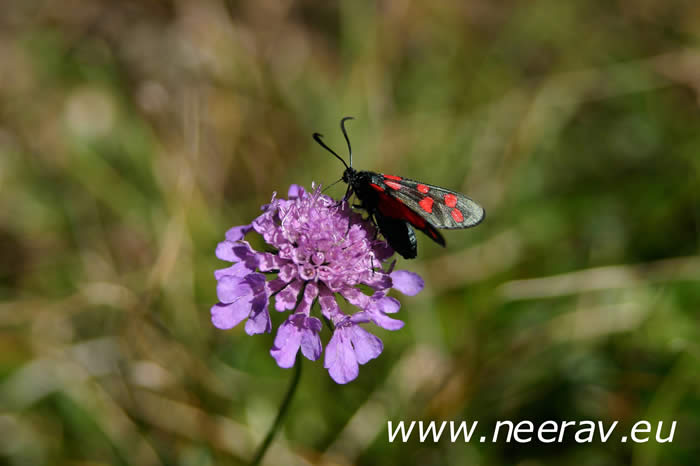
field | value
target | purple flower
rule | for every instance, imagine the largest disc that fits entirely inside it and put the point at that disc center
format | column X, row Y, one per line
column 322, row 250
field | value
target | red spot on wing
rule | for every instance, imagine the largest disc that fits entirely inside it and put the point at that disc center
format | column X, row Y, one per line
column 377, row 187
column 451, row 201
column 393, row 208
column 426, row 204
column 393, row 177
column 393, row 185
column 457, row 215
column 423, row 188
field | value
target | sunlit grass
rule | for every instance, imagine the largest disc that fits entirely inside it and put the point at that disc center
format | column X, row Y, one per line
column 133, row 136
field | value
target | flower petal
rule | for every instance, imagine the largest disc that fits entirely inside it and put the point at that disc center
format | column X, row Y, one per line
column 367, row 346
column 310, row 293
column 287, row 298
column 378, row 280
column 329, row 306
column 259, row 320
column 286, row 344
column 227, row 316
column 244, row 253
column 340, row 358
column 385, row 322
column 356, row 297
column 273, row 286
column 288, row 272
column 256, row 281
column 406, row 282
column 231, row 289
column 224, row 251
column 295, row 191
column 385, row 304
column 380, row 306
column 310, row 339
column 237, row 233
column 268, row 262
column 239, row 269
column 361, row 317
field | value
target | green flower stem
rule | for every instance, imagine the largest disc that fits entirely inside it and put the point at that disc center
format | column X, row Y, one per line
column 280, row 415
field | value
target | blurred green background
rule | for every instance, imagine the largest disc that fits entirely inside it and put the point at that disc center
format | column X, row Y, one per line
column 134, row 133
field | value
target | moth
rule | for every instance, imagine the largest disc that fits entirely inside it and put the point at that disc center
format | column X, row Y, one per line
column 397, row 204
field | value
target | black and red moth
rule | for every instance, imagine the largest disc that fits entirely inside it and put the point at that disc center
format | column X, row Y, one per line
column 396, row 204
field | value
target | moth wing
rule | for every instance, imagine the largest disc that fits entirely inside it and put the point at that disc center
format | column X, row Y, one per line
column 441, row 207
column 391, row 206
column 398, row 234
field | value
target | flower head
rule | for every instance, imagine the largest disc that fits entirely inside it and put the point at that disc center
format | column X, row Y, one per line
column 322, row 250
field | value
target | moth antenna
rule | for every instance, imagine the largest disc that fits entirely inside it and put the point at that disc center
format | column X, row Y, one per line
column 345, row 133
column 317, row 138
column 332, row 184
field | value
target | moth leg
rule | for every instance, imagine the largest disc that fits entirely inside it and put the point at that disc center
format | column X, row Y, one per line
column 376, row 227
column 348, row 194
column 374, row 238
column 348, row 229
